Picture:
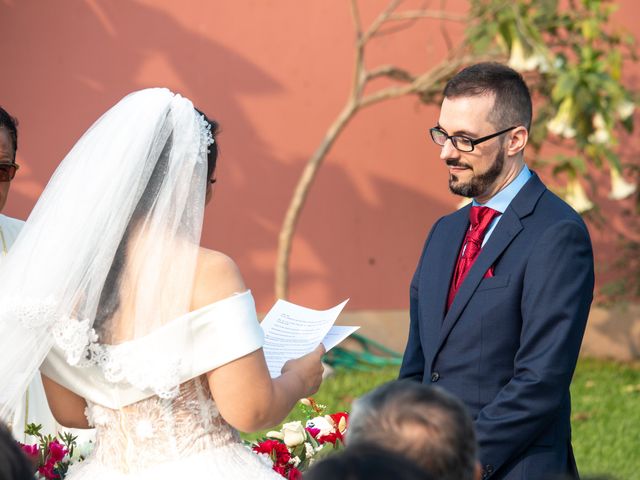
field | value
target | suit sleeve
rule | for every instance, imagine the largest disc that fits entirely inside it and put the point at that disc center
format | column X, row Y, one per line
column 413, row 359
column 557, row 294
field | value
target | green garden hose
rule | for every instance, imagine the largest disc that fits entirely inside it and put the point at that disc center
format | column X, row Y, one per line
column 362, row 359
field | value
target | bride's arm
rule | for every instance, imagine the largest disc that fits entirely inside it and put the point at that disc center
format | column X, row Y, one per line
column 67, row 407
column 244, row 392
column 250, row 400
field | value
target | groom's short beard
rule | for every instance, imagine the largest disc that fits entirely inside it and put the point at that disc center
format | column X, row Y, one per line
column 478, row 184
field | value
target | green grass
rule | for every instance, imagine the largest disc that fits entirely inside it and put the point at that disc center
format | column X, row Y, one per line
column 606, row 418
column 606, row 412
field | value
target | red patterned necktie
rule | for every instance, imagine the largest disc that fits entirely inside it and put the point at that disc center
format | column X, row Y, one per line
column 480, row 218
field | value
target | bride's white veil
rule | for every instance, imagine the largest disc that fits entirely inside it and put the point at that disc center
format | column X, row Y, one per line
column 109, row 252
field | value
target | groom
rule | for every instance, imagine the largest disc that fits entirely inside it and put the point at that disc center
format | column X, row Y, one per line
column 501, row 294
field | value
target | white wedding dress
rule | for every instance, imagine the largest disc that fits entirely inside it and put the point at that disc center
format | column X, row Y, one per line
column 148, row 437
column 96, row 293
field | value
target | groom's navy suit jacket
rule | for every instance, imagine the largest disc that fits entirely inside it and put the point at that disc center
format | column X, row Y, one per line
column 509, row 343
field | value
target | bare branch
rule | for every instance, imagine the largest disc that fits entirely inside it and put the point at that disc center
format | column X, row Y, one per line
column 391, row 72
column 443, row 29
column 436, row 14
column 425, row 83
column 359, row 74
column 285, row 239
column 355, row 15
column 381, row 19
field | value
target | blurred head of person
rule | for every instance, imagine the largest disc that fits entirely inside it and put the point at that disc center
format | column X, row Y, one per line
column 13, row 463
column 366, row 462
column 423, row 423
column 8, row 150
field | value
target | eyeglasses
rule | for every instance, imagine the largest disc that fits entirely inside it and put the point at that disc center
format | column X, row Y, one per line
column 461, row 142
column 8, row 171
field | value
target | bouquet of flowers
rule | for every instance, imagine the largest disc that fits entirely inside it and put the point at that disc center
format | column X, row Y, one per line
column 51, row 455
column 296, row 445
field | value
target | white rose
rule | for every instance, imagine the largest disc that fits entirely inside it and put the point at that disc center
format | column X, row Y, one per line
column 274, row 434
column 294, row 434
column 324, row 424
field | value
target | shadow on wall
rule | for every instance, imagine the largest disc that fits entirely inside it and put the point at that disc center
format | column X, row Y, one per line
column 84, row 56
column 353, row 242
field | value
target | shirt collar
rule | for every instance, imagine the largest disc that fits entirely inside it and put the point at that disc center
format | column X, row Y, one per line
column 501, row 200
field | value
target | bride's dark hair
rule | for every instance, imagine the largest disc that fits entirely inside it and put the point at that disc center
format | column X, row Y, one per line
column 110, row 296
column 212, row 156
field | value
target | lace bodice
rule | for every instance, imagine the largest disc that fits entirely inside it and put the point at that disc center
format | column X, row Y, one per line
column 156, row 430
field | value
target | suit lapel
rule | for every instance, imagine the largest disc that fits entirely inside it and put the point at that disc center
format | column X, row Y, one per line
column 507, row 229
column 439, row 274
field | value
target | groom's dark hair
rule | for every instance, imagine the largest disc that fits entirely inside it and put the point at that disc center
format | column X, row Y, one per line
column 422, row 422
column 512, row 104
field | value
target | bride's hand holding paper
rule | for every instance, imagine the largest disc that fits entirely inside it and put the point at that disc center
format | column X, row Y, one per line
column 308, row 368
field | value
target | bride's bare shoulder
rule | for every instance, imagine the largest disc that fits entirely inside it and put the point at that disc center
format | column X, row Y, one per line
column 217, row 277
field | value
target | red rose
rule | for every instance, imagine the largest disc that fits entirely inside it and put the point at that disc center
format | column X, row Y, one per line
column 340, row 421
column 331, row 438
column 277, row 450
column 280, row 469
column 294, row 474
column 338, row 417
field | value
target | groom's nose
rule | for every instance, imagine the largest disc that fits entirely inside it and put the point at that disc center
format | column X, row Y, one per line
column 449, row 151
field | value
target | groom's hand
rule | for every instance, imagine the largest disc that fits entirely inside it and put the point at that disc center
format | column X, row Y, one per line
column 308, row 369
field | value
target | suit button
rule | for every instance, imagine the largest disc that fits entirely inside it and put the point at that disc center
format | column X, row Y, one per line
column 488, row 469
column 435, row 376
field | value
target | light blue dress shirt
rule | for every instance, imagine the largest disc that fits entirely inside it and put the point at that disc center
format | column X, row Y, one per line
column 501, row 200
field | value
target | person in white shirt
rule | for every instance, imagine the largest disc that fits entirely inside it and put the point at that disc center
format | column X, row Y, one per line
column 34, row 407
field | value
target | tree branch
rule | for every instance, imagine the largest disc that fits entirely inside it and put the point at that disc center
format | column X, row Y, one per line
column 391, row 72
column 375, row 26
column 436, row 14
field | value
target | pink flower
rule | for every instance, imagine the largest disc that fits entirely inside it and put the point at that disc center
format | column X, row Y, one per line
column 47, row 471
column 30, row 450
column 57, row 451
column 313, row 431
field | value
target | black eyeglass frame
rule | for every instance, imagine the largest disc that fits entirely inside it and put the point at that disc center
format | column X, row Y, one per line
column 7, row 166
column 473, row 142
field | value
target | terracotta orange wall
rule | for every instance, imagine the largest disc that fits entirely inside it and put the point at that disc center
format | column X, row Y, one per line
column 275, row 74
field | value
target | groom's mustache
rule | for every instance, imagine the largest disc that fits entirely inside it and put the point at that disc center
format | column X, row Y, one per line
column 452, row 162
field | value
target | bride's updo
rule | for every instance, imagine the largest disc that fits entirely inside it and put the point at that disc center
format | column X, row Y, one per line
column 212, row 156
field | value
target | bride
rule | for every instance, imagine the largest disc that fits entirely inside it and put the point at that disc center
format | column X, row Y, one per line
column 138, row 331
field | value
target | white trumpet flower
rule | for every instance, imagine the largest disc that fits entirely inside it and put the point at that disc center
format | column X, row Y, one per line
column 519, row 60
column 625, row 109
column 601, row 133
column 620, row 188
column 561, row 124
column 577, row 197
